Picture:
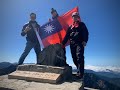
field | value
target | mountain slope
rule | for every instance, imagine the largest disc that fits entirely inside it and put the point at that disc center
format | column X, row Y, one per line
column 94, row 81
column 6, row 68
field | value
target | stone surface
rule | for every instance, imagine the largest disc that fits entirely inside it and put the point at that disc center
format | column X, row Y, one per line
column 16, row 84
column 42, row 73
column 35, row 76
column 41, row 68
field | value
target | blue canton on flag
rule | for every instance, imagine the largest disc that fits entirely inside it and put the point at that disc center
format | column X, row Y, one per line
column 50, row 28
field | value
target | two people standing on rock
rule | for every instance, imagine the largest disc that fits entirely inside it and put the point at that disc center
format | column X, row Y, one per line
column 31, row 37
column 77, row 33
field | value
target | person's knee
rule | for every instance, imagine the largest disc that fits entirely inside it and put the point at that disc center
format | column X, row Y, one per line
column 80, row 61
column 80, row 56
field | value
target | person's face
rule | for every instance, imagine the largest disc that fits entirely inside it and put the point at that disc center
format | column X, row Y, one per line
column 75, row 18
column 32, row 17
column 54, row 14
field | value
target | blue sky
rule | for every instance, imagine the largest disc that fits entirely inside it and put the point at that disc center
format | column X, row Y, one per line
column 102, row 18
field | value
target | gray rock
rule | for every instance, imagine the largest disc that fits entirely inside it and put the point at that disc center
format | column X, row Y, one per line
column 53, row 55
column 42, row 73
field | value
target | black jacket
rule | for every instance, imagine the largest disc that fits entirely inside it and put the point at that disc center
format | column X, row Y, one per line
column 30, row 35
column 76, row 35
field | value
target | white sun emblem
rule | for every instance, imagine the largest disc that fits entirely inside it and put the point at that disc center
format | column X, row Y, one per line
column 49, row 28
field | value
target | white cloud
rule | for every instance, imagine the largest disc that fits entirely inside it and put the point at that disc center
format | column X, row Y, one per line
column 103, row 68
column 73, row 65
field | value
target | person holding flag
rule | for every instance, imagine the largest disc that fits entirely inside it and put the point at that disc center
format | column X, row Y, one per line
column 30, row 31
column 55, row 15
column 77, row 33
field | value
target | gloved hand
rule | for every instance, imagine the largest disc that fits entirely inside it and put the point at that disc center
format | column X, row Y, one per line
column 84, row 43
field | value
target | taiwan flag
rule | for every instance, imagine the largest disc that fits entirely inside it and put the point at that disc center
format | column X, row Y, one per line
column 54, row 31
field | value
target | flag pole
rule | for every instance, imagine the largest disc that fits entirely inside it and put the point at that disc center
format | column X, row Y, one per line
column 39, row 39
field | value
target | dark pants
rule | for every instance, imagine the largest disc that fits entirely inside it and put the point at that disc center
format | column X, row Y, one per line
column 64, row 52
column 29, row 46
column 77, row 52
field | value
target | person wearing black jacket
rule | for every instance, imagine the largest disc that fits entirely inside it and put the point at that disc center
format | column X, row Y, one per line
column 31, row 37
column 77, row 33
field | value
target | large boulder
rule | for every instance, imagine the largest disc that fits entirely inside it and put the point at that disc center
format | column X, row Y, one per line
column 53, row 55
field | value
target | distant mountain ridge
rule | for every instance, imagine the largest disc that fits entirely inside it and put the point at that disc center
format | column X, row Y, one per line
column 106, row 79
column 103, row 78
column 115, row 69
column 100, row 82
column 6, row 67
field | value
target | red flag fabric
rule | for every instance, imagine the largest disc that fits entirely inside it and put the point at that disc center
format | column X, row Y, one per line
column 67, row 17
column 54, row 31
